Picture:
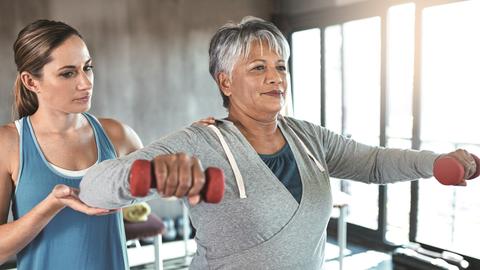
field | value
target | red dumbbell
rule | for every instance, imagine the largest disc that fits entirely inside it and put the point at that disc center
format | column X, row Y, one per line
column 142, row 179
column 449, row 171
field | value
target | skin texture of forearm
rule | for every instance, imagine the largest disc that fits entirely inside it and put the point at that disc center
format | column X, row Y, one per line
column 14, row 236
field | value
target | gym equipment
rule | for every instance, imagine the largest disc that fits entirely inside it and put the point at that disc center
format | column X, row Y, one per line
column 448, row 171
column 414, row 257
column 170, row 233
column 142, row 179
column 184, row 230
column 135, row 234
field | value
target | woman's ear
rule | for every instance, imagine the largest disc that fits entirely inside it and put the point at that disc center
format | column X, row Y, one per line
column 29, row 82
column 225, row 83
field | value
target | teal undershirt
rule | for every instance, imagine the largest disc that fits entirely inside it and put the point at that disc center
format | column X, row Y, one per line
column 284, row 166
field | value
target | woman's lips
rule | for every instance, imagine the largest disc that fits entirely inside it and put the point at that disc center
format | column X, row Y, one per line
column 274, row 93
column 83, row 99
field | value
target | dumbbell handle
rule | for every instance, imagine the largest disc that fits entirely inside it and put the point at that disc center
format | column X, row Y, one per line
column 449, row 171
column 142, row 179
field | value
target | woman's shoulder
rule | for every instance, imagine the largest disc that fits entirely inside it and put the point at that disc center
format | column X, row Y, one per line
column 112, row 126
column 206, row 132
column 8, row 135
column 123, row 137
column 9, row 139
column 303, row 126
column 312, row 129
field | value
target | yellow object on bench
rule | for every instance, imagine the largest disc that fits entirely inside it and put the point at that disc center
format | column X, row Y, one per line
column 137, row 212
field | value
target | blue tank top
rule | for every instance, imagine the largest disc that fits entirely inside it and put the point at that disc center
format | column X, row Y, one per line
column 71, row 240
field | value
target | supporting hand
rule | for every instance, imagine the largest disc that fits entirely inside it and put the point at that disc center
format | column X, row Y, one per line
column 65, row 196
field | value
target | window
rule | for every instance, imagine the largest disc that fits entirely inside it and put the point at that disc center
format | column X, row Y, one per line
column 352, row 94
column 361, row 107
column 400, row 53
column 425, row 54
column 333, row 79
column 450, row 97
column 306, row 74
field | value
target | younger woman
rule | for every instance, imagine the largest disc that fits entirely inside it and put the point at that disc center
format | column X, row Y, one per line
column 45, row 153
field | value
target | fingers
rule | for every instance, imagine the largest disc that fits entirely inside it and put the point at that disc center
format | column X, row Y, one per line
column 68, row 196
column 79, row 206
column 466, row 160
column 194, row 200
column 171, row 181
column 198, row 178
column 91, row 211
column 160, row 169
column 74, row 202
column 184, row 175
column 62, row 191
column 206, row 121
column 178, row 175
column 470, row 166
column 463, row 183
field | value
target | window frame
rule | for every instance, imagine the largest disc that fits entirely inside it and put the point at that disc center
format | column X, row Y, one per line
column 338, row 15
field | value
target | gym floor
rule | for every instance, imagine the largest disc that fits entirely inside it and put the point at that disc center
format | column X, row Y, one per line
column 357, row 258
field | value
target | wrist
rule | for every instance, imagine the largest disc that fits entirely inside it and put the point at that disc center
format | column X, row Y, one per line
column 53, row 203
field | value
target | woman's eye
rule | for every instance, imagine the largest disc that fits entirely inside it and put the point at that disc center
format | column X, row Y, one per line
column 282, row 68
column 68, row 74
column 259, row 68
column 88, row 68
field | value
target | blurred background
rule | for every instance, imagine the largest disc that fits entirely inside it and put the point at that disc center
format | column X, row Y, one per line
column 393, row 73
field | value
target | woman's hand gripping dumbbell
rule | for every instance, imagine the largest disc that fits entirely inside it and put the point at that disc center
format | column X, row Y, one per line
column 177, row 175
column 456, row 167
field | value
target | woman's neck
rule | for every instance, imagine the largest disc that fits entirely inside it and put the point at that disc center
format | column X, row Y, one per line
column 56, row 122
column 262, row 134
column 252, row 126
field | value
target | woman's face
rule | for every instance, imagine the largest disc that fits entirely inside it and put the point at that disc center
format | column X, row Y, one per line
column 67, row 81
column 258, row 83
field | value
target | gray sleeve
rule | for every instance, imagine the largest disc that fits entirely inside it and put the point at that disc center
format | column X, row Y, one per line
column 106, row 185
column 348, row 159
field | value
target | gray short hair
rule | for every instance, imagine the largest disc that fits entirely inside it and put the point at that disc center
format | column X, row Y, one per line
column 233, row 40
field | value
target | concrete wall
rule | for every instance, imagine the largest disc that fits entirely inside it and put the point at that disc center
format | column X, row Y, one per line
column 150, row 56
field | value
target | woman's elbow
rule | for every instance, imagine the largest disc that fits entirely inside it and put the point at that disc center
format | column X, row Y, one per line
column 4, row 256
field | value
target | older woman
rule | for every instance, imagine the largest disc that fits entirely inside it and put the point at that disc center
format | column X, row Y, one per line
column 277, row 197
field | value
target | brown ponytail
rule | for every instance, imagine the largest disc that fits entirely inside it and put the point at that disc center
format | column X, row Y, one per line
column 26, row 102
column 32, row 50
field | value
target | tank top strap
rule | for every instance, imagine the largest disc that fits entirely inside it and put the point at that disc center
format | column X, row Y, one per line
column 20, row 125
column 107, row 150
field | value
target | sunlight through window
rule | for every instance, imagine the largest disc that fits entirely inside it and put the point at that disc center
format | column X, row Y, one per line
column 450, row 97
column 306, row 74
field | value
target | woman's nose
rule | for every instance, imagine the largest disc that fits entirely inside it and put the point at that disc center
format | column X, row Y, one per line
column 274, row 77
column 86, row 81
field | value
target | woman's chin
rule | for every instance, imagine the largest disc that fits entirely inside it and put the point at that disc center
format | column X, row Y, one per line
column 273, row 110
column 276, row 108
column 80, row 109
